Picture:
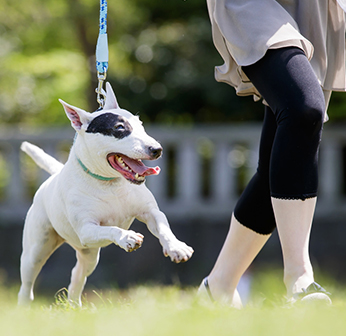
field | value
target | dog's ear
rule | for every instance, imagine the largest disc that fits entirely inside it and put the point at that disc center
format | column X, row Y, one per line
column 111, row 100
column 77, row 116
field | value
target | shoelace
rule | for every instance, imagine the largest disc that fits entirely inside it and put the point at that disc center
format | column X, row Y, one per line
column 313, row 288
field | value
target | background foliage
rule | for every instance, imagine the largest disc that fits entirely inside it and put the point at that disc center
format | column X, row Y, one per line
column 161, row 62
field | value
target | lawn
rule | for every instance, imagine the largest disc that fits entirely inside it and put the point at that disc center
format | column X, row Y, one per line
column 171, row 310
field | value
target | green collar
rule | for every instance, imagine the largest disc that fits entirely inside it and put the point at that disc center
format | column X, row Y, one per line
column 99, row 177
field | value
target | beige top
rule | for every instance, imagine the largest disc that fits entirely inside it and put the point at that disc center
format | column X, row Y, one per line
column 243, row 30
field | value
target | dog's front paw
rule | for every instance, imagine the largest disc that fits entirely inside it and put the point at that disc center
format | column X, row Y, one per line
column 178, row 251
column 130, row 240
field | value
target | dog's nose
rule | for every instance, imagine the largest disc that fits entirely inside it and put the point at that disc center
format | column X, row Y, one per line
column 155, row 152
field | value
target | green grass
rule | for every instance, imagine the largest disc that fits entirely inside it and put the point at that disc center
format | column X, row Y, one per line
column 158, row 310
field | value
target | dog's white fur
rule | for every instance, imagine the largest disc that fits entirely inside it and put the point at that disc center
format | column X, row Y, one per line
column 87, row 213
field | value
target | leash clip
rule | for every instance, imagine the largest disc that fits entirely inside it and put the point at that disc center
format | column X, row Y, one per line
column 101, row 93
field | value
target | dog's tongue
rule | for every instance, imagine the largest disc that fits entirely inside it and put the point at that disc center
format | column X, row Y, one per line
column 139, row 167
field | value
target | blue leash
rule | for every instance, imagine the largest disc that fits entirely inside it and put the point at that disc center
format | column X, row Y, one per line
column 101, row 68
column 102, row 54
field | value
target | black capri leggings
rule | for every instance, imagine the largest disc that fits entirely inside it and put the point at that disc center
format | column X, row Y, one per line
column 291, row 134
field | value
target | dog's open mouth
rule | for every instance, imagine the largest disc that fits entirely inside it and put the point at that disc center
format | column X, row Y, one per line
column 133, row 170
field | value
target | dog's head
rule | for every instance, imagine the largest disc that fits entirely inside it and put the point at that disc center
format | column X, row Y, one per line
column 112, row 142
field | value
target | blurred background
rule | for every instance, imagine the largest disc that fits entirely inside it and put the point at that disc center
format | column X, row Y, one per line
column 161, row 66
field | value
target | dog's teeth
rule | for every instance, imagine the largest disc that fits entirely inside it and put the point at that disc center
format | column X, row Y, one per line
column 139, row 178
column 120, row 159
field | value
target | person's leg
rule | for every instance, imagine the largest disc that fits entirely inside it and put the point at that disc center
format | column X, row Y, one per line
column 254, row 208
column 285, row 79
column 251, row 226
column 287, row 82
column 239, row 250
column 294, row 225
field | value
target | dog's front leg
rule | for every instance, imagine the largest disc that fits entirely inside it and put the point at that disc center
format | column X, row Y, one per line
column 158, row 225
column 94, row 236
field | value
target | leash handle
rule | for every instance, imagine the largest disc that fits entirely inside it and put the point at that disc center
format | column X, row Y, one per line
column 102, row 54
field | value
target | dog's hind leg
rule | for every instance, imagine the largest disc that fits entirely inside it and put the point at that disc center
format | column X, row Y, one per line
column 40, row 240
column 87, row 260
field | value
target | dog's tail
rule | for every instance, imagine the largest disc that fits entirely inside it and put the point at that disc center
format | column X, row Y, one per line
column 41, row 158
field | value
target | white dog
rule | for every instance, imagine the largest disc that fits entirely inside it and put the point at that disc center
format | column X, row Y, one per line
column 91, row 201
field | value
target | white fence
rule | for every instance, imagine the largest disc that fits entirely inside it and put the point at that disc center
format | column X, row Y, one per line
column 203, row 169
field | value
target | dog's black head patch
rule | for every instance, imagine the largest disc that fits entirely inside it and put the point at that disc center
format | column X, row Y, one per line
column 110, row 124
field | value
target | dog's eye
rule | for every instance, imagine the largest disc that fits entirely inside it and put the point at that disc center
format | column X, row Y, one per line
column 119, row 127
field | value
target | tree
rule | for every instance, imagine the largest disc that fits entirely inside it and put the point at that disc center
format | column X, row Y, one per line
column 161, row 62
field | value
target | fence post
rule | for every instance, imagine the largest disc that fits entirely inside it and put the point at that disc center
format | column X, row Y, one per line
column 15, row 188
column 188, row 168
column 330, row 173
